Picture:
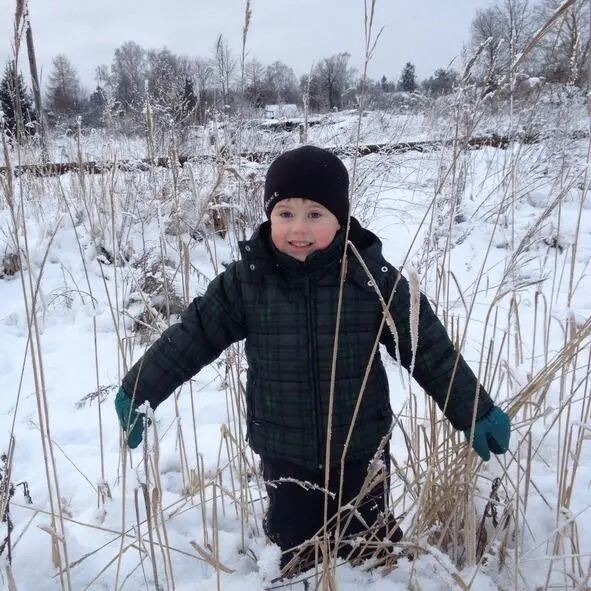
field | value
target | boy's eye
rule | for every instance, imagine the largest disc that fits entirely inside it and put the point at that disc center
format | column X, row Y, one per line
column 315, row 215
column 285, row 214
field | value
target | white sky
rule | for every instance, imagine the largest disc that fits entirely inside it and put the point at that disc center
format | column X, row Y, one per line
column 429, row 33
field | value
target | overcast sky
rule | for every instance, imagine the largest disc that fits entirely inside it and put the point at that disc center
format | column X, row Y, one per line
column 429, row 33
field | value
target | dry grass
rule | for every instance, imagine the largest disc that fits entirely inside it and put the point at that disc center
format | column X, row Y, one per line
column 144, row 235
column 445, row 497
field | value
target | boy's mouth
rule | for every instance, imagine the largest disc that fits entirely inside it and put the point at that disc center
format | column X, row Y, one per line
column 299, row 244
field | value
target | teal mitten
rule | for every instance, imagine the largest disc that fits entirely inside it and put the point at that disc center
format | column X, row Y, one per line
column 491, row 433
column 131, row 421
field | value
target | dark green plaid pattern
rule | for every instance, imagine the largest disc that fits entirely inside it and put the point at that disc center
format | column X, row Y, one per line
column 287, row 312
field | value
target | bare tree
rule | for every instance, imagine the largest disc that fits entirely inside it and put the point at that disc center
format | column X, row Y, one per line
column 256, row 91
column 129, row 71
column 330, row 79
column 282, row 82
column 519, row 22
column 504, row 29
column 64, row 94
column 202, row 72
column 226, row 66
column 103, row 77
column 564, row 51
column 487, row 30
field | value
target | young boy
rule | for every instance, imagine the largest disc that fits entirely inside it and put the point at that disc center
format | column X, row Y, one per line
column 282, row 297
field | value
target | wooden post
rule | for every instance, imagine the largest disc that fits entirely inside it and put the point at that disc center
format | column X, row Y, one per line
column 16, row 98
column 35, row 85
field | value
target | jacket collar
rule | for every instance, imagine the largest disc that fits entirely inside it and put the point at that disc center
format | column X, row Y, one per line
column 261, row 254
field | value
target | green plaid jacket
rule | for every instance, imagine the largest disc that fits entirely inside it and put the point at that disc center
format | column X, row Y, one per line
column 287, row 312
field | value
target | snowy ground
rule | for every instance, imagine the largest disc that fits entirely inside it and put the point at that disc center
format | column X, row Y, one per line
column 81, row 318
column 547, row 110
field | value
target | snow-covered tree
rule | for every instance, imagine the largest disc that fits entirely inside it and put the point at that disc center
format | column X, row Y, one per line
column 16, row 104
column 128, row 73
column 167, row 79
column 187, row 107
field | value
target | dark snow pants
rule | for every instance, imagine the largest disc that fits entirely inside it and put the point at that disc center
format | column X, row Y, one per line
column 295, row 514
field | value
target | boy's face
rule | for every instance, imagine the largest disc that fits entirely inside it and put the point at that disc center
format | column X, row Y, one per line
column 301, row 226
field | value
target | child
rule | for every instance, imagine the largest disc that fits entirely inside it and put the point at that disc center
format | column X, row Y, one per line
column 282, row 297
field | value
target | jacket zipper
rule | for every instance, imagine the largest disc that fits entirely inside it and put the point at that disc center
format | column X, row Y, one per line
column 312, row 352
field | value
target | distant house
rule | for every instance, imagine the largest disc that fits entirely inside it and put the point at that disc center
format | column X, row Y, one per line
column 281, row 111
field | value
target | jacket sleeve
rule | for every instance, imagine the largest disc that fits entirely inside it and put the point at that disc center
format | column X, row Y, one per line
column 435, row 359
column 210, row 324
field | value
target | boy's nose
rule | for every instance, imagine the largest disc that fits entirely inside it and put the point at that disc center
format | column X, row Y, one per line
column 299, row 225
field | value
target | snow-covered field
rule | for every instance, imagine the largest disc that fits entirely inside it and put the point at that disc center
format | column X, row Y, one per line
column 501, row 240
column 549, row 109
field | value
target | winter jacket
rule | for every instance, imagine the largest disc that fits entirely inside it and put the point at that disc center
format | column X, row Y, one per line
column 287, row 312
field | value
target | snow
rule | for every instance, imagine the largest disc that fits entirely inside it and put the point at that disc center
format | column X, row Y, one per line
column 502, row 260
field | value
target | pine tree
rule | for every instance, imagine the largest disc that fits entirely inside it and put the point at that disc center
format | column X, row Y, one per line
column 16, row 104
column 442, row 82
column 387, row 86
column 408, row 81
column 97, row 104
column 188, row 100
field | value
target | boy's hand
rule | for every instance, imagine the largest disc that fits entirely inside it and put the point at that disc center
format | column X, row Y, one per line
column 491, row 433
column 131, row 421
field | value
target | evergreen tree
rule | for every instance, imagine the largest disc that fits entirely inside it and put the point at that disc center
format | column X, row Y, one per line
column 408, row 81
column 16, row 103
column 188, row 102
column 97, row 105
column 387, row 86
column 442, row 82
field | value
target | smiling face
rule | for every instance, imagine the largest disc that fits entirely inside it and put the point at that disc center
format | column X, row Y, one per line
column 301, row 226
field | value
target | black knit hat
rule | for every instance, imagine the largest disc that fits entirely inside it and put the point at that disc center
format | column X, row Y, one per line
column 309, row 173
